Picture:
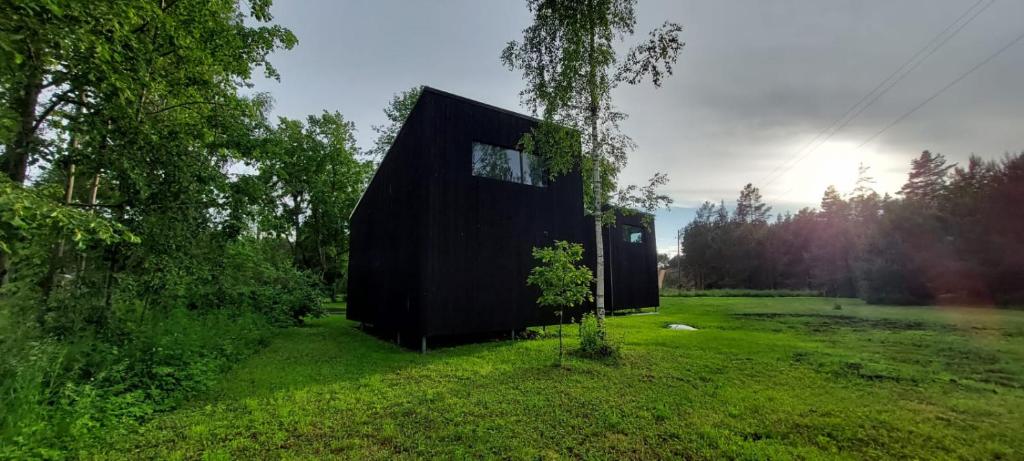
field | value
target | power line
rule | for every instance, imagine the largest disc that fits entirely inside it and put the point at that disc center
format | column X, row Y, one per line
column 943, row 89
column 938, row 93
column 933, row 45
column 888, row 84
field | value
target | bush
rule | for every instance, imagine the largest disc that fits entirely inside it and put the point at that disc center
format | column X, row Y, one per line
column 593, row 344
column 257, row 277
column 59, row 396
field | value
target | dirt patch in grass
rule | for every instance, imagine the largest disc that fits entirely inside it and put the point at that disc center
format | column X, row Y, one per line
column 827, row 322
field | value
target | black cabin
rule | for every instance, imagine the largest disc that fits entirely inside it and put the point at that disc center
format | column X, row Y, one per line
column 441, row 240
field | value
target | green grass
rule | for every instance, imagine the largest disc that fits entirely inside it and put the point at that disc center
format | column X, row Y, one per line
column 733, row 293
column 335, row 308
column 763, row 378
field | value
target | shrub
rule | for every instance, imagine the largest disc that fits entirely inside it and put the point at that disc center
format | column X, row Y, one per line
column 60, row 396
column 594, row 344
column 256, row 277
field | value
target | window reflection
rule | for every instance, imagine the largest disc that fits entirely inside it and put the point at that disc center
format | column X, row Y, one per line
column 632, row 234
column 533, row 174
column 506, row 164
column 495, row 162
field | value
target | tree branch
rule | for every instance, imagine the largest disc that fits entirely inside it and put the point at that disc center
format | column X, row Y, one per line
column 57, row 100
column 185, row 104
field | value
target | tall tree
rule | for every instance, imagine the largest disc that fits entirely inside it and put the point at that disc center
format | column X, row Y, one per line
column 567, row 57
column 314, row 172
column 831, row 247
column 396, row 112
column 697, row 245
column 927, row 179
column 147, row 91
column 750, row 208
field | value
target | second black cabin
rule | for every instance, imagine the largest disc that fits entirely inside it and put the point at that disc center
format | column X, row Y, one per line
column 441, row 240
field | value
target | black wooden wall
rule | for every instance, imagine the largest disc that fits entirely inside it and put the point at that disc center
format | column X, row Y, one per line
column 438, row 251
column 631, row 270
column 386, row 253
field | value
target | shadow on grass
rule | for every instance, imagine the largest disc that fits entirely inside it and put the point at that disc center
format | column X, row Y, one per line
column 334, row 352
column 827, row 322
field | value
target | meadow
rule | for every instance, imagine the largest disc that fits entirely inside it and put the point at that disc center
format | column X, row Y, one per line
column 762, row 378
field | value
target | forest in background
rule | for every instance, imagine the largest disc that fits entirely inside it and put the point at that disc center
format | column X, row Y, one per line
column 954, row 234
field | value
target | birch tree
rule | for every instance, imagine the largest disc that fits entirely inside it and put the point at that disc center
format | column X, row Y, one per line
column 569, row 61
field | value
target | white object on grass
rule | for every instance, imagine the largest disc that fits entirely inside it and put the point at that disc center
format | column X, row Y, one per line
column 679, row 326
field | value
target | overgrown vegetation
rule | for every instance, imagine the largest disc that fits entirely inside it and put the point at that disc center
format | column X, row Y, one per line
column 155, row 226
column 953, row 236
column 766, row 378
column 595, row 343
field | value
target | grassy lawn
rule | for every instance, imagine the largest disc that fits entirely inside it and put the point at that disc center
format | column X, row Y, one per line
column 763, row 378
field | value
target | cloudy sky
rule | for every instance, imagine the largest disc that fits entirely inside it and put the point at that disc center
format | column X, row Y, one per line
column 755, row 86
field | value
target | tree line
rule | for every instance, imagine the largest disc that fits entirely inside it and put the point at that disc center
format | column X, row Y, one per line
column 953, row 234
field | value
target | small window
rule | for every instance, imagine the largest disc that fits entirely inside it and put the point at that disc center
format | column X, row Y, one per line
column 633, row 234
column 506, row 164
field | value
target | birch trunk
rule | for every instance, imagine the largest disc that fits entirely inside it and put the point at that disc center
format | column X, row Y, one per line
column 595, row 154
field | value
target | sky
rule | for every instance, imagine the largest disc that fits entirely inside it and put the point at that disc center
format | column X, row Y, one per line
column 754, row 94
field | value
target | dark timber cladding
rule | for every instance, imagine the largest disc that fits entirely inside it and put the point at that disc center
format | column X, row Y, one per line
column 441, row 240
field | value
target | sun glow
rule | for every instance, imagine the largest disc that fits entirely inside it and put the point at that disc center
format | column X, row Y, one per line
column 833, row 163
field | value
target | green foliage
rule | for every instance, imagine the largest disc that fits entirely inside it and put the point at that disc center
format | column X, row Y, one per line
column 141, row 264
column 396, row 112
column 562, row 281
column 595, row 344
column 557, row 146
column 312, row 178
column 568, row 59
column 782, row 378
column 259, row 278
column 60, row 396
column 26, row 213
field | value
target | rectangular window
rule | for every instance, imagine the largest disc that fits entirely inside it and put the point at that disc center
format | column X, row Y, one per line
column 506, row 164
column 533, row 174
column 632, row 234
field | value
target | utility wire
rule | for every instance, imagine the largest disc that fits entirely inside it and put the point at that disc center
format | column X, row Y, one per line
column 943, row 89
column 879, row 86
column 883, row 87
column 938, row 93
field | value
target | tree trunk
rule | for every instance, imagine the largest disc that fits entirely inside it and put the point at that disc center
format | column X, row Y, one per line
column 57, row 257
column 108, row 289
column 561, row 348
column 3, row 268
column 18, row 151
column 595, row 154
column 297, row 224
column 321, row 252
column 92, row 201
column 599, row 248
column 69, row 193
